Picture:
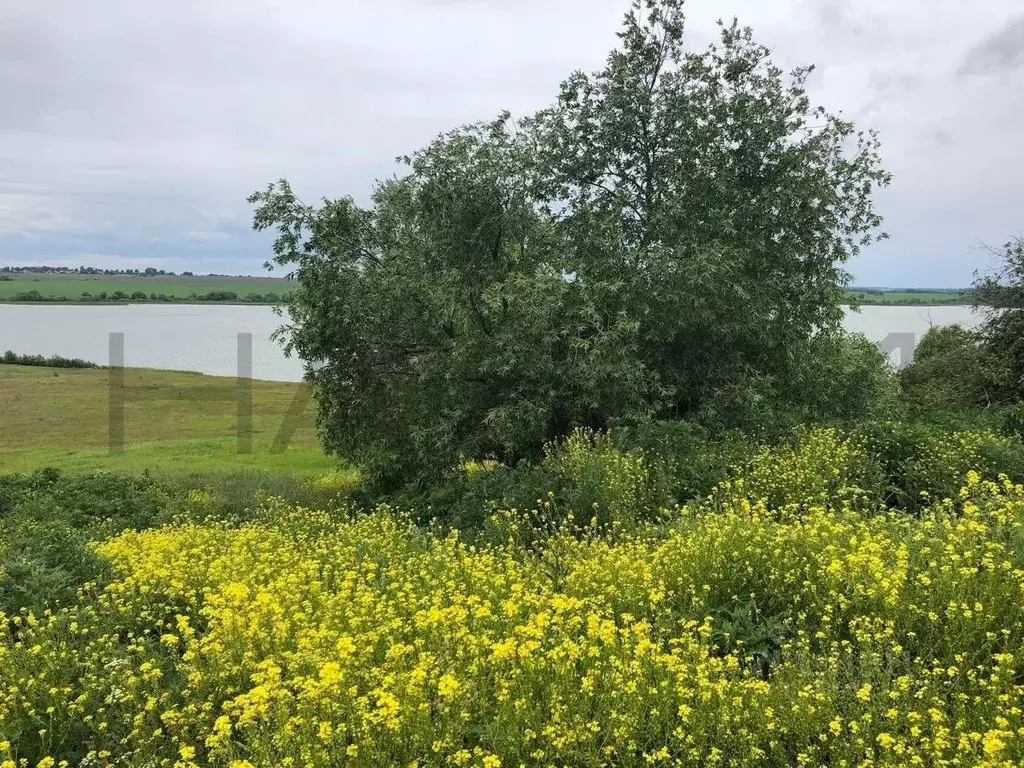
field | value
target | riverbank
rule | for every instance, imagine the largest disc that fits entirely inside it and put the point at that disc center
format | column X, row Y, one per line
column 172, row 421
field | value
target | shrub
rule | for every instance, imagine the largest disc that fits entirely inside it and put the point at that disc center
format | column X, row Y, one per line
column 952, row 370
column 1013, row 423
column 831, row 378
column 32, row 295
column 56, row 361
column 607, row 485
column 694, row 460
column 845, row 378
column 920, row 463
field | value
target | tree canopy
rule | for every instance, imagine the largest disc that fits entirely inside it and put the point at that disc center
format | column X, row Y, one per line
column 666, row 240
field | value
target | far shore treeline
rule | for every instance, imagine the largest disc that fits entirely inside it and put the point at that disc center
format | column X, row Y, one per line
column 141, row 296
column 71, row 285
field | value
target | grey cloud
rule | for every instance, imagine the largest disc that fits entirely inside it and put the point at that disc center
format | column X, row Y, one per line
column 887, row 83
column 1002, row 50
column 885, row 87
column 831, row 13
column 127, row 127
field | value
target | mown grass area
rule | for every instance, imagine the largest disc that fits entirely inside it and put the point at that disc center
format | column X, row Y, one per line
column 174, row 422
column 179, row 286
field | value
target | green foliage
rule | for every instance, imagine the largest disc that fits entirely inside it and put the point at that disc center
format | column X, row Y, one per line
column 56, row 361
column 47, row 522
column 526, row 278
column 741, row 628
column 622, row 478
column 952, row 370
column 845, row 378
column 836, row 377
column 1000, row 295
column 921, row 463
column 1013, row 423
column 695, row 460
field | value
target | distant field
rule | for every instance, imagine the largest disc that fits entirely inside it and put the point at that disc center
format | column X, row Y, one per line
column 181, row 287
column 73, row 286
column 909, row 297
column 174, row 422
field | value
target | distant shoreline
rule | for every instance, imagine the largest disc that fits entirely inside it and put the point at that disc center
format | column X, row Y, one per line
column 84, row 288
column 136, row 302
column 195, row 303
column 862, row 303
column 49, row 287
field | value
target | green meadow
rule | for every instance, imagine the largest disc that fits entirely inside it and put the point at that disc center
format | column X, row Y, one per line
column 174, row 422
column 909, row 297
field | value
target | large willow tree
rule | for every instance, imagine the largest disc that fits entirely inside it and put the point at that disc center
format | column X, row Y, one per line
column 665, row 239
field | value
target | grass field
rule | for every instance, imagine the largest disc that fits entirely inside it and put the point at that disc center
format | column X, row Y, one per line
column 73, row 286
column 173, row 422
column 909, row 297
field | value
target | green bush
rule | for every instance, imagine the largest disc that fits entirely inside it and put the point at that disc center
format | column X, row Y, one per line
column 56, row 361
column 838, row 378
column 922, row 462
column 952, row 371
column 695, row 461
column 845, row 378
column 1013, row 422
column 47, row 521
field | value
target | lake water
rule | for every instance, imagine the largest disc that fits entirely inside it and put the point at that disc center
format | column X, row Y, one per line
column 205, row 338
column 184, row 337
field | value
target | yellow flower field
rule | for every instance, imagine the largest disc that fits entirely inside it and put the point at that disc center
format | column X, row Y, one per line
column 811, row 630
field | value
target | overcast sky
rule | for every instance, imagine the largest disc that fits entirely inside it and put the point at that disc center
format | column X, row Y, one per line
column 132, row 132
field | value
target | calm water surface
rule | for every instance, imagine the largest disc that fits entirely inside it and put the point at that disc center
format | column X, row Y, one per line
column 185, row 337
column 205, row 338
